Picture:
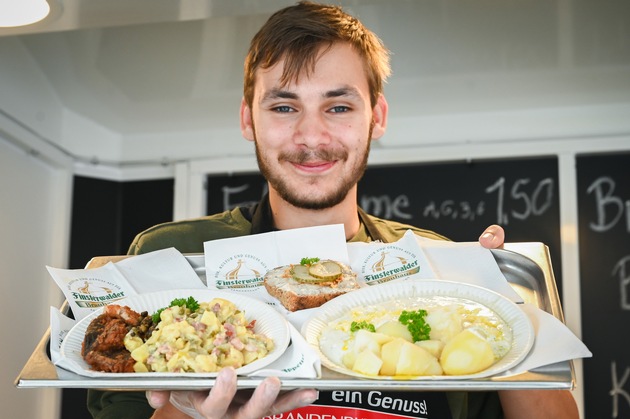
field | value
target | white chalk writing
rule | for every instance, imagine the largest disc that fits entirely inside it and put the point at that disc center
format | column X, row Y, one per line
column 617, row 390
column 610, row 208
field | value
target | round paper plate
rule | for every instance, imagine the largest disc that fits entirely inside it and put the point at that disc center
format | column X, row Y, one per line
column 269, row 322
column 514, row 317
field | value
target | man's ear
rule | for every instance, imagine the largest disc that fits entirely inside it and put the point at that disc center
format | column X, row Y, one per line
column 247, row 125
column 379, row 117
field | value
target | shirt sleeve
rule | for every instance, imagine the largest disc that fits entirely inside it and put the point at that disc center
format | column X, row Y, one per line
column 118, row 405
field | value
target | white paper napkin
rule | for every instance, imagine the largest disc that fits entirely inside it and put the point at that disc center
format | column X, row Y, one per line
column 467, row 262
column 378, row 263
column 87, row 290
column 554, row 342
column 269, row 250
column 160, row 270
column 60, row 325
column 240, row 263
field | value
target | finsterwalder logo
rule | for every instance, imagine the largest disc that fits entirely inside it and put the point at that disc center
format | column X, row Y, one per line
column 389, row 263
column 240, row 272
column 94, row 292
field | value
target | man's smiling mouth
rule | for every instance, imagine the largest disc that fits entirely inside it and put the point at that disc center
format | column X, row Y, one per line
column 314, row 160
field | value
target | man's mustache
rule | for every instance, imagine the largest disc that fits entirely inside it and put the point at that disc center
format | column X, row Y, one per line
column 306, row 156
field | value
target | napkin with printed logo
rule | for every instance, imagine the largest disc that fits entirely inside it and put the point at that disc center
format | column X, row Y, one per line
column 239, row 264
column 377, row 263
column 87, row 290
column 415, row 257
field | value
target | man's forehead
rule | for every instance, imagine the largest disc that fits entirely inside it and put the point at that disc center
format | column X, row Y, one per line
column 325, row 82
column 341, row 56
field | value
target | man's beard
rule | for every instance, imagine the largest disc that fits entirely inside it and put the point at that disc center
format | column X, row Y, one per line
column 301, row 199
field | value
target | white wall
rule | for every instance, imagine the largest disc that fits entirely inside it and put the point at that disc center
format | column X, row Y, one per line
column 34, row 214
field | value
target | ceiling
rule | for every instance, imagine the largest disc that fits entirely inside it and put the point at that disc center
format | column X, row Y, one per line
column 150, row 71
column 138, row 66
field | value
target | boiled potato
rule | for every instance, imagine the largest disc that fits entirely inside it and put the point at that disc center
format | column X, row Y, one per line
column 140, row 367
column 234, row 358
column 140, row 354
column 364, row 339
column 390, row 352
column 414, row 361
column 132, row 342
column 467, row 353
column 349, row 358
column 395, row 329
column 433, row 346
column 210, row 320
column 206, row 362
column 367, row 363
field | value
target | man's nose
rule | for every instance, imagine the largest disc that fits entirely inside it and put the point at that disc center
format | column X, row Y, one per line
column 312, row 130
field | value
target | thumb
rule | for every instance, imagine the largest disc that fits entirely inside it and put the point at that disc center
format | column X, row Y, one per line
column 493, row 237
column 158, row 399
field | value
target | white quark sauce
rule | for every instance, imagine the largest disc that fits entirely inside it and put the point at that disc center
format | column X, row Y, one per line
column 445, row 316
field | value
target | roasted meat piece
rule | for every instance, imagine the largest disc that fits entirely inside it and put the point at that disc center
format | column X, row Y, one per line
column 103, row 347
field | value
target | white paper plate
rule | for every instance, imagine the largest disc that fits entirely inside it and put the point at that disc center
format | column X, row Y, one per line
column 269, row 322
column 522, row 329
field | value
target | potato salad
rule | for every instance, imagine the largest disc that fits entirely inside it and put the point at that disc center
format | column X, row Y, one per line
column 213, row 336
column 422, row 337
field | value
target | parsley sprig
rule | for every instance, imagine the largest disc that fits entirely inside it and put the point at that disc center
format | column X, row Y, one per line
column 190, row 303
column 308, row 261
column 354, row 326
column 416, row 324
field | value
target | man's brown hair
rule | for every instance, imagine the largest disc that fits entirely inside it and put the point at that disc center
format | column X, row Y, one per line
column 296, row 34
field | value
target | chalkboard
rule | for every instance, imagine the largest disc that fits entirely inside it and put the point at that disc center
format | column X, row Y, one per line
column 604, row 240
column 457, row 199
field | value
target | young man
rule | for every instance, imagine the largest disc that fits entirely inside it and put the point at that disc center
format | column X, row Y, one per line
column 313, row 102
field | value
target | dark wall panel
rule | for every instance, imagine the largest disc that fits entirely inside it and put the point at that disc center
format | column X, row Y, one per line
column 604, row 241
column 106, row 216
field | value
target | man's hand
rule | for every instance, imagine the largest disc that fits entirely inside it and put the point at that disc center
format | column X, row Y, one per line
column 224, row 401
column 492, row 237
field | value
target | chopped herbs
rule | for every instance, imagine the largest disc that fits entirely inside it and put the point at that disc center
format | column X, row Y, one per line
column 354, row 326
column 414, row 320
column 308, row 261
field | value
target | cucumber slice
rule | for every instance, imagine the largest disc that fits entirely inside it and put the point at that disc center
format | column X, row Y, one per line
column 300, row 274
column 327, row 270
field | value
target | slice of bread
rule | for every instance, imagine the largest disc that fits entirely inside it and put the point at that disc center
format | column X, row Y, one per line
column 295, row 295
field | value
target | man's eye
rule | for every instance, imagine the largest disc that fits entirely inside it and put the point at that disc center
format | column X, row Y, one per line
column 283, row 109
column 339, row 109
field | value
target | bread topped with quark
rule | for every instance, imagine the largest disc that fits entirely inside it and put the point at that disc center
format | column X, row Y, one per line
column 310, row 283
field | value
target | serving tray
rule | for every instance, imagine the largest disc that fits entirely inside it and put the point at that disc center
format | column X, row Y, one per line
column 527, row 267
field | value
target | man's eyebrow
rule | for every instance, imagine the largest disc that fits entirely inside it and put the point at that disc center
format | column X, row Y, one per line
column 278, row 94
column 342, row 91
column 286, row 94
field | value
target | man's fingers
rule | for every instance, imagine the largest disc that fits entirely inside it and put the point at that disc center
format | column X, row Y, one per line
column 217, row 403
column 264, row 401
column 267, row 401
column 261, row 401
column 492, row 237
column 158, row 399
